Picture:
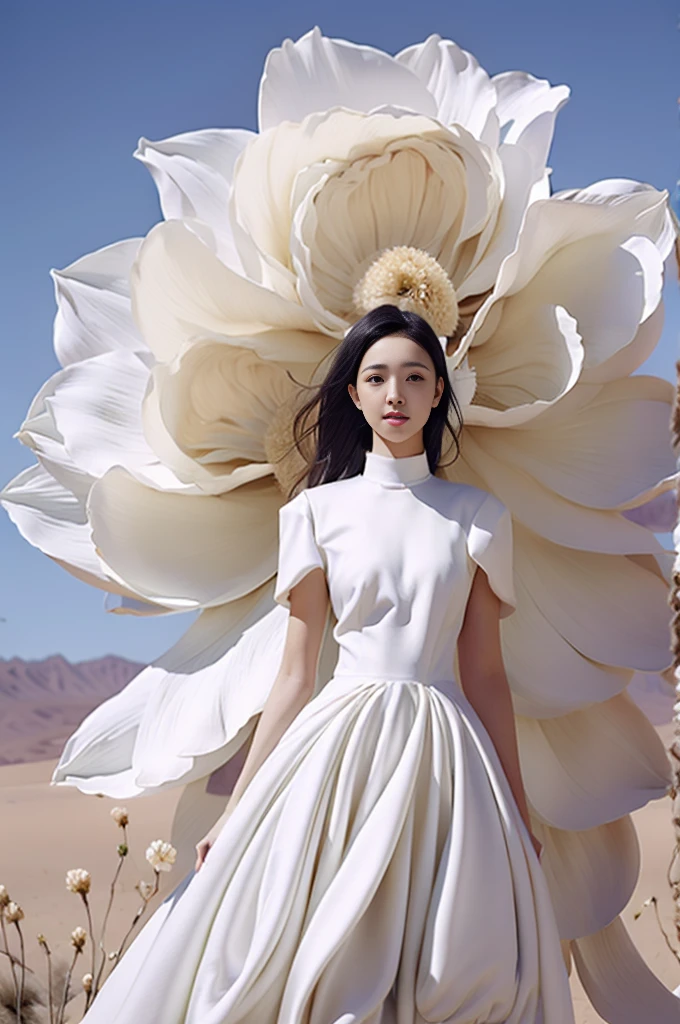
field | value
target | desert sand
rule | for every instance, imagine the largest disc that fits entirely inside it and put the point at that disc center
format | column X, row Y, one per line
column 47, row 830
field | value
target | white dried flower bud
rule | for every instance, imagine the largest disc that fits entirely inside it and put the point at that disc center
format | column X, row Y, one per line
column 4, row 896
column 87, row 982
column 120, row 816
column 161, row 855
column 145, row 890
column 78, row 938
column 78, row 880
column 13, row 912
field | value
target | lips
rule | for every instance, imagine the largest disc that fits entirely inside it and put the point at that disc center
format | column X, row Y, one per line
column 395, row 416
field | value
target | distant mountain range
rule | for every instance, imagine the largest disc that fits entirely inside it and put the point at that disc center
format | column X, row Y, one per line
column 42, row 702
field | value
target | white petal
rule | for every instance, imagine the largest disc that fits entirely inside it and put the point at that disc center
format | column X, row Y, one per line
column 316, row 73
column 87, row 418
column 592, row 766
column 193, row 174
column 618, row 982
column 462, row 90
column 182, row 550
column 180, row 289
column 518, row 183
column 50, row 517
column 553, row 225
column 656, row 222
column 614, row 448
column 532, row 361
column 53, row 519
column 208, row 413
column 548, row 514
column 93, row 298
column 231, row 654
column 527, row 108
column 548, row 677
column 628, row 359
column 608, row 607
column 591, row 873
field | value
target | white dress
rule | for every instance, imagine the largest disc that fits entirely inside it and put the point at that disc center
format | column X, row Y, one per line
column 376, row 869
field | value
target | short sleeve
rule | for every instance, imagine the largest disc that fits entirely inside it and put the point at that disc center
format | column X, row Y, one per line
column 298, row 550
column 489, row 544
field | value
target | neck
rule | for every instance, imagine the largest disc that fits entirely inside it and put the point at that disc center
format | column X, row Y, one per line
column 398, row 450
column 406, row 471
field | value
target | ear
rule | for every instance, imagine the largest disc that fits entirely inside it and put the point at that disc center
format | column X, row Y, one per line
column 438, row 392
column 354, row 395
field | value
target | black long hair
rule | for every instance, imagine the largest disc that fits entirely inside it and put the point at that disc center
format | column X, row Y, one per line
column 340, row 430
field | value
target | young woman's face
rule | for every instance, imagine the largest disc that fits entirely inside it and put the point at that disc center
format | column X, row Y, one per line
column 397, row 386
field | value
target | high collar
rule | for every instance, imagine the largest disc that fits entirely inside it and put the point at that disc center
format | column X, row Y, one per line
column 390, row 472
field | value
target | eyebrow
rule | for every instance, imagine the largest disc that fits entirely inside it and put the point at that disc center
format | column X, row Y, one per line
column 383, row 366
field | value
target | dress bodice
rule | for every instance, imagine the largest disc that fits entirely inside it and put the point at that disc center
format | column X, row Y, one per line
column 399, row 547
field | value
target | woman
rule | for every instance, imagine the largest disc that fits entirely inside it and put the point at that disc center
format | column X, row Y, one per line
column 375, row 862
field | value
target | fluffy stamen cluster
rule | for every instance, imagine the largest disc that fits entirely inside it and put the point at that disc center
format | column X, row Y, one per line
column 412, row 280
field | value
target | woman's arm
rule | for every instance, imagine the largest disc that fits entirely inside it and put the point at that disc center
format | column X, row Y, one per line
column 292, row 687
column 485, row 684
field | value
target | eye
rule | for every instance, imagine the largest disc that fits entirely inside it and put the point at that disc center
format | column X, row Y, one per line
column 374, row 376
column 418, row 376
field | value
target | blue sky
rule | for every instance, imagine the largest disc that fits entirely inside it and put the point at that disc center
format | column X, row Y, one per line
column 85, row 80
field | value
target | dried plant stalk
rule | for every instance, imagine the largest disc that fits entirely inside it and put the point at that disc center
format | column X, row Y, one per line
column 674, row 601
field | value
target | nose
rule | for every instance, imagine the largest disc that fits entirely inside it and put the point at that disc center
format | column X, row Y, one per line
column 394, row 395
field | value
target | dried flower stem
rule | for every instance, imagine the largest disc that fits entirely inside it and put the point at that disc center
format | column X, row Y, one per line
column 674, row 603
column 147, row 900
column 8, row 951
column 98, row 976
column 84, row 898
column 22, row 975
column 67, row 982
column 50, row 998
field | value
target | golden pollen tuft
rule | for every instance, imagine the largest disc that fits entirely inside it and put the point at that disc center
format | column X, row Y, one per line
column 412, row 280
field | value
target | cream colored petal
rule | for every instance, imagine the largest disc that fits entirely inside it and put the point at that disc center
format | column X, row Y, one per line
column 655, row 222
column 608, row 607
column 226, row 657
column 616, row 448
column 316, row 72
column 182, row 550
column 618, row 982
column 52, row 518
column 553, row 225
column 208, row 413
column 592, row 766
column 527, row 108
column 93, row 300
column 591, row 873
column 180, row 290
column 193, row 174
column 549, row 515
column 628, row 359
column 547, row 675
column 87, row 418
column 518, row 181
column 400, row 197
column 534, row 359
column 609, row 289
column 266, row 178
column 462, row 89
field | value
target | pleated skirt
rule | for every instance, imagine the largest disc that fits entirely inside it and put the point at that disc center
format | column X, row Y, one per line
column 376, row 870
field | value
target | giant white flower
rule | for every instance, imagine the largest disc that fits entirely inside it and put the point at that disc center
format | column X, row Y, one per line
column 180, row 352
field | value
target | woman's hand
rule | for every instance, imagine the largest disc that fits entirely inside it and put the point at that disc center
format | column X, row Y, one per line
column 208, row 840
